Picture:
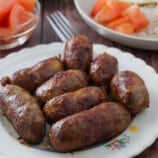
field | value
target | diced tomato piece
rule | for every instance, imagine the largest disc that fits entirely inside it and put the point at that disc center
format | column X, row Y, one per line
column 5, row 32
column 126, row 28
column 103, row 15
column 5, row 8
column 136, row 17
column 97, row 6
column 106, row 14
column 18, row 16
column 27, row 4
column 123, row 5
column 113, row 24
column 113, row 5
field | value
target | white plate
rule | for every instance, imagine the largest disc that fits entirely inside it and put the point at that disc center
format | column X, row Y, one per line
column 141, row 133
column 84, row 8
column 142, row 2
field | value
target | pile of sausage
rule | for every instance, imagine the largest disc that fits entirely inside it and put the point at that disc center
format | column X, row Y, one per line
column 85, row 100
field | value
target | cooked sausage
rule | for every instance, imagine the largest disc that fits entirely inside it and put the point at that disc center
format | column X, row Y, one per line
column 61, row 82
column 130, row 90
column 23, row 112
column 89, row 127
column 73, row 102
column 102, row 69
column 78, row 53
column 32, row 77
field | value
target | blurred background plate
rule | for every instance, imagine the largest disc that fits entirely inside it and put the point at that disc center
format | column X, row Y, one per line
column 151, row 43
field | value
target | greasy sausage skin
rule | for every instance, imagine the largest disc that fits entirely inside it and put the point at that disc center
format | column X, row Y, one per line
column 103, row 68
column 30, row 78
column 61, row 82
column 89, row 127
column 78, row 53
column 23, row 112
column 130, row 90
column 73, row 102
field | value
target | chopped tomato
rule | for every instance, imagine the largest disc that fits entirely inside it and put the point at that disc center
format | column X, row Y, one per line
column 103, row 15
column 120, row 16
column 114, row 6
column 5, row 32
column 98, row 5
column 108, row 12
column 18, row 16
column 136, row 17
column 123, row 5
column 113, row 24
column 27, row 4
column 126, row 28
column 5, row 8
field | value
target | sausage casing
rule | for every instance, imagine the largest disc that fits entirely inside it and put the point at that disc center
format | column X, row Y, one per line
column 23, row 112
column 130, row 90
column 103, row 68
column 73, row 102
column 32, row 77
column 61, row 82
column 78, row 53
column 88, row 127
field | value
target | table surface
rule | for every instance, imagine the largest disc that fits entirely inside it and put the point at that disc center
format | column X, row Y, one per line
column 44, row 34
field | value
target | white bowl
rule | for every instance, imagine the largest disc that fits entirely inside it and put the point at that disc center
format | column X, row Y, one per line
column 151, row 43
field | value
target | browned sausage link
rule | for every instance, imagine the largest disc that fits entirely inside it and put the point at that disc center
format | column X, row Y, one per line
column 129, row 89
column 31, row 78
column 61, row 82
column 23, row 112
column 102, row 69
column 78, row 53
column 73, row 102
column 88, row 127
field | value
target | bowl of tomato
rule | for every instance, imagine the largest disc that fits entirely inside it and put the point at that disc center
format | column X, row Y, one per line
column 129, row 24
column 18, row 20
